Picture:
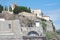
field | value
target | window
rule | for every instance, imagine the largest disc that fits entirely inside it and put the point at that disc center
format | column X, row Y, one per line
column 37, row 24
column 9, row 26
column 36, row 14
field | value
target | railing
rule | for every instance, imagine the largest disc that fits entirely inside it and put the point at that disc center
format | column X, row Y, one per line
column 37, row 29
column 31, row 28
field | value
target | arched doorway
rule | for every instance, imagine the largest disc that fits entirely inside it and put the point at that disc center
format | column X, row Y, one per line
column 33, row 33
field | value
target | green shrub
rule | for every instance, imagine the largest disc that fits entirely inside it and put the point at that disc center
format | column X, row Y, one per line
column 44, row 24
column 19, row 9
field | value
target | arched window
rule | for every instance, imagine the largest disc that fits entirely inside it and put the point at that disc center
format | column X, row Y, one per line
column 33, row 33
column 9, row 26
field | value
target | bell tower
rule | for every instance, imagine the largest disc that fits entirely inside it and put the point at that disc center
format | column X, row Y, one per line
column 13, row 6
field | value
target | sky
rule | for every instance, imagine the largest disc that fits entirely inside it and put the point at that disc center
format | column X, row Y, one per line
column 49, row 7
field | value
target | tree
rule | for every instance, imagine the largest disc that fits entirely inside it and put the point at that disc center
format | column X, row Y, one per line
column 19, row 9
column 1, row 8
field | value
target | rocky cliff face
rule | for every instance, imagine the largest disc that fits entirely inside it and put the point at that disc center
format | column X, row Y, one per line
column 29, row 20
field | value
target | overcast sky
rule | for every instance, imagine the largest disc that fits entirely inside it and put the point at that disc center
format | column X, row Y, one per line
column 49, row 7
